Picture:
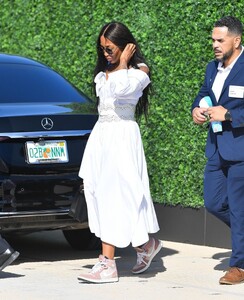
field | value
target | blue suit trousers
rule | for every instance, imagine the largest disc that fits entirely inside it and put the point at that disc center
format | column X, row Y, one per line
column 224, row 198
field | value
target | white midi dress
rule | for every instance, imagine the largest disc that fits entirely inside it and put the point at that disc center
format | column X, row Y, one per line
column 113, row 167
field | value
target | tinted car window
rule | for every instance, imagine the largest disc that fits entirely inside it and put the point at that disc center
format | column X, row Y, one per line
column 39, row 84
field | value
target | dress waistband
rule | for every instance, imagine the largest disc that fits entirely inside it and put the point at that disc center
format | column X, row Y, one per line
column 115, row 118
column 115, row 113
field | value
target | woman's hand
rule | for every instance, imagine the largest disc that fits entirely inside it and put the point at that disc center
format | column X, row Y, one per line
column 126, row 55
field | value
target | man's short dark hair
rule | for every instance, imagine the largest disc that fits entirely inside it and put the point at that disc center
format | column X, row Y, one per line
column 233, row 24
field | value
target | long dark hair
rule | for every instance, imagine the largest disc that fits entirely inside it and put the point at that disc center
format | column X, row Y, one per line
column 120, row 35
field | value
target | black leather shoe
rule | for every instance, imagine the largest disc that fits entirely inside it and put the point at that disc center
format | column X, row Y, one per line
column 7, row 257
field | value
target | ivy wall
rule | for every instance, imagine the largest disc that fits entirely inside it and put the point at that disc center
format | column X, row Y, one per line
column 175, row 37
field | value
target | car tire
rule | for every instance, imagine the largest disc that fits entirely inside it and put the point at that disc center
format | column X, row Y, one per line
column 82, row 239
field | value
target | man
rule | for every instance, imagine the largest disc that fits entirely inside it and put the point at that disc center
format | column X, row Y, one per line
column 7, row 254
column 224, row 171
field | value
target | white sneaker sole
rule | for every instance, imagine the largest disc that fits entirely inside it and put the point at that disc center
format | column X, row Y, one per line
column 105, row 280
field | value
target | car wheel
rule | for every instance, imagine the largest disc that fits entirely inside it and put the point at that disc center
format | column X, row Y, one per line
column 82, row 239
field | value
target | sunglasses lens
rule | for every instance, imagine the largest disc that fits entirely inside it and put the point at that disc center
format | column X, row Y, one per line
column 107, row 50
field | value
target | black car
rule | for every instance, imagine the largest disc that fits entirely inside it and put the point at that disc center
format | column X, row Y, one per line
column 45, row 123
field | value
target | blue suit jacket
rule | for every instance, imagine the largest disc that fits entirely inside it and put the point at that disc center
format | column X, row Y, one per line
column 230, row 142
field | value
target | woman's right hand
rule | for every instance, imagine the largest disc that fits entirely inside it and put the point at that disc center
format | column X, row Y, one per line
column 126, row 55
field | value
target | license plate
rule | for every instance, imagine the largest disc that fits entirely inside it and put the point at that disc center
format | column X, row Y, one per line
column 47, row 152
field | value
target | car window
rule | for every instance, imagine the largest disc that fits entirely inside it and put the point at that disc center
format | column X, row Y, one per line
column 20, row 83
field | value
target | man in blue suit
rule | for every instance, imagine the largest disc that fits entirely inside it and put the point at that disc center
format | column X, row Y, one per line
column 224, row 171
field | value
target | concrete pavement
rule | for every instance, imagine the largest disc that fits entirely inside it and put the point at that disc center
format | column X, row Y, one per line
column 47, row 269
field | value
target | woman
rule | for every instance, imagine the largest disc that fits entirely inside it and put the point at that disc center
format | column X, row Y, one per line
column 114, row 171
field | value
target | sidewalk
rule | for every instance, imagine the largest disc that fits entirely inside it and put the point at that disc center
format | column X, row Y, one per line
column 179, row 271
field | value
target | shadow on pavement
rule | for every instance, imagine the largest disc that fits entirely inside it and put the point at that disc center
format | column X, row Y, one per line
column 126, row 259
column 45, row 246
column 4, row 275
column 52, row 246
column 223, row 260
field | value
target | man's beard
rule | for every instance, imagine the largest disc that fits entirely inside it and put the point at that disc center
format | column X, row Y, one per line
column 226, row 56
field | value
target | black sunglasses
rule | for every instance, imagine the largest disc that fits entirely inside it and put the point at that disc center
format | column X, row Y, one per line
column 106, row 49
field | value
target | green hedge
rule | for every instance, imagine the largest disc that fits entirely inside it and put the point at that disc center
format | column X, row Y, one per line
column 175, row 38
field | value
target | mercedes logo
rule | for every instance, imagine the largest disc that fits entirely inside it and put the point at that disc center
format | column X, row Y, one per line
column 47, row 123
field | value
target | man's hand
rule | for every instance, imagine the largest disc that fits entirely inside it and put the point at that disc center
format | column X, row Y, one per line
column 199, row 115
column 216, row 113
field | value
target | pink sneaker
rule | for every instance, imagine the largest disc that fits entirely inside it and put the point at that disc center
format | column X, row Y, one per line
column 103, row 272
column 145, row 255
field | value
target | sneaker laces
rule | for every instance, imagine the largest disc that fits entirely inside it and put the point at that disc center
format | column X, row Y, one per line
column 144, row 253
column 140, row 256
column 99, row 266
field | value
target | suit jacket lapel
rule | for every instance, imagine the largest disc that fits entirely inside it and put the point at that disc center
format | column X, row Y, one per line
column 233, row 73
column 211, row 81
column 214, row 73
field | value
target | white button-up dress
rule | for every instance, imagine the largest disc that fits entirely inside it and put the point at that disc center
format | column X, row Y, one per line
column 113, row 168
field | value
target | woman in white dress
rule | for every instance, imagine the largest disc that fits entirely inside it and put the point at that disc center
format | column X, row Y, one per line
column 113, row 168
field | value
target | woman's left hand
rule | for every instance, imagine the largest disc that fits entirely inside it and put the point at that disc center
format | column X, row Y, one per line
column 127, row 54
